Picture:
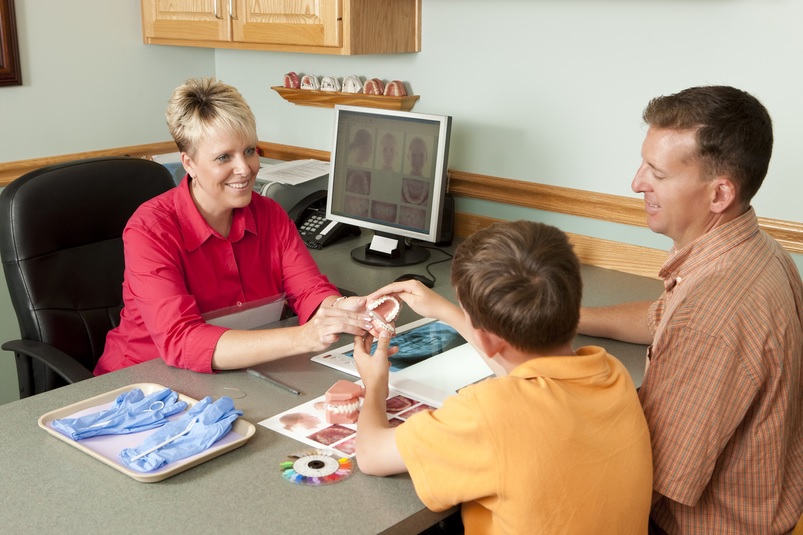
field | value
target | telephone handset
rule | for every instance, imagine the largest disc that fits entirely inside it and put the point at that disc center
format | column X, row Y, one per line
column 309, row 216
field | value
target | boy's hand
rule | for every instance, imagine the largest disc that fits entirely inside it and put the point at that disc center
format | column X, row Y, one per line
column 377, row 453
column 373, row 370
column 422, row 300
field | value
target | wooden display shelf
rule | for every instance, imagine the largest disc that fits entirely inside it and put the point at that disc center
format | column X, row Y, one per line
column 328, row 99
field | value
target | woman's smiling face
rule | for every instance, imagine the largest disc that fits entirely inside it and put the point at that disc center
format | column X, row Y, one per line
column 223, row 170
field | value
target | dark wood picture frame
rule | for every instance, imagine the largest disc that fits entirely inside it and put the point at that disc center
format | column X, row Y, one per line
column 9, row 50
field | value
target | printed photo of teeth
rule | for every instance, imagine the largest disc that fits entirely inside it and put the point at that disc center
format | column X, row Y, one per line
column 330, row 421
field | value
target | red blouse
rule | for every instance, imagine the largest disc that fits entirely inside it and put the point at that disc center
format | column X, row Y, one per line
column 178, row 267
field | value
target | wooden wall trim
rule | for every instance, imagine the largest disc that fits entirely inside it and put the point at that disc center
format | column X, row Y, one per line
column 633, row 259
column 11, row 170
column 550, row 198
column 602, row 206
column 289, row 152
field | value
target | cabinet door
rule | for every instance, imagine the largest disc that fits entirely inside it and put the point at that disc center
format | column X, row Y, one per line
column 288, row 22
column 192, row 20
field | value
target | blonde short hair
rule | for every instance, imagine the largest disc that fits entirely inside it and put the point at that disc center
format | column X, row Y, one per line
column 202, row 105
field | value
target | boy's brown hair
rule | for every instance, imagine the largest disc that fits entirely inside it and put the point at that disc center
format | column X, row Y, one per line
column 520, row 280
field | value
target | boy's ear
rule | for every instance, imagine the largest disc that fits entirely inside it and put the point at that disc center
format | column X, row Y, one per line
column 490, row 344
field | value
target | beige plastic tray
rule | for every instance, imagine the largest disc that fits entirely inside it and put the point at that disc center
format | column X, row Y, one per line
column 106, row 448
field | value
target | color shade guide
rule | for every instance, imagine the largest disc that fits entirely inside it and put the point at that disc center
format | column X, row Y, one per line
column 316, row 467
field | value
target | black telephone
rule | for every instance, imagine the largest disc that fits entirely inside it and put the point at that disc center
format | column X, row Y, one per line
column 309, row 216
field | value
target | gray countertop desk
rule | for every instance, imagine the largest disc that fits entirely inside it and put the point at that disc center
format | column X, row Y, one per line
column 49, row 486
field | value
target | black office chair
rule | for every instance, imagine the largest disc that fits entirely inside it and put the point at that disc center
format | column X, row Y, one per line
column 61, row 246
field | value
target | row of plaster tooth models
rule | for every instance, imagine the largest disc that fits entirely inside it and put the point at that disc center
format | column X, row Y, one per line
column 351, row 84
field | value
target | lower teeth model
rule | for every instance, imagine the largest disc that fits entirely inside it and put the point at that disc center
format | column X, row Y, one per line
column 384, row 312
column 343, row 402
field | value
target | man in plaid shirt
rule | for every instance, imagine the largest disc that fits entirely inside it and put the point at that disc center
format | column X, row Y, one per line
column 722, row 391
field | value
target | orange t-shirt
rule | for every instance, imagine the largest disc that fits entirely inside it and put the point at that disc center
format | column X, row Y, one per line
column 558, row 446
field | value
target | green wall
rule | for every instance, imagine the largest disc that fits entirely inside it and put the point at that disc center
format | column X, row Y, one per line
column 549, row 91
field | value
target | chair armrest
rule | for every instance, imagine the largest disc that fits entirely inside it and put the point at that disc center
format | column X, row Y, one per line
column 55, row 359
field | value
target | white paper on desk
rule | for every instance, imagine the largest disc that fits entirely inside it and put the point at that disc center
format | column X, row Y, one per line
column 436, row 378
column 247, row 316
column 294, row 172
column 170, row 157
column 445, row 363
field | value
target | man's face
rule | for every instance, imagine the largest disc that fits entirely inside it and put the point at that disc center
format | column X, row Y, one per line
column 677, row 197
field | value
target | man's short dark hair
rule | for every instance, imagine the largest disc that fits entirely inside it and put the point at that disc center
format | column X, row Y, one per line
column 734, row 131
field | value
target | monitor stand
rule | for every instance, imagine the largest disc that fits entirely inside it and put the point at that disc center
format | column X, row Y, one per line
column 389, row 251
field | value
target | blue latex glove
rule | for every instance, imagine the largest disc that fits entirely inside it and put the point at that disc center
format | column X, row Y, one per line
column 131, row 412
column 193, row 433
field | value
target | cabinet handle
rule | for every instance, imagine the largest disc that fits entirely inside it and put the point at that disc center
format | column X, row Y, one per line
column 231, row 10
column 214, row 3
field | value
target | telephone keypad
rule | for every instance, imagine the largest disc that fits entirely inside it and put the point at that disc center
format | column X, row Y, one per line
column 313, row 224
column 316, row 231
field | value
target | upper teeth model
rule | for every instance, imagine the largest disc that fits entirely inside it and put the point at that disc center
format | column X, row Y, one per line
column 384, row 311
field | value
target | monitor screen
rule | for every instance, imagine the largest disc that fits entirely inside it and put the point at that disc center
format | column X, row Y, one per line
column 388, row 174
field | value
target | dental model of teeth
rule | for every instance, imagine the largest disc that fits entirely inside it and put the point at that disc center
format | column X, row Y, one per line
column 343, row 402
column 384, row 312
column 351, row 84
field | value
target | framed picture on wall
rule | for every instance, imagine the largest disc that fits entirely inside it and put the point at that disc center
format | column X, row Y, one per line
column 9, row 50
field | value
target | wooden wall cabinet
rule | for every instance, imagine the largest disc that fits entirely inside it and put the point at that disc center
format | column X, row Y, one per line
column 343, row 27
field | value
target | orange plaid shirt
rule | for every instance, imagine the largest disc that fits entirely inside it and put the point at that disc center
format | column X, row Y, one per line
column 723, row 391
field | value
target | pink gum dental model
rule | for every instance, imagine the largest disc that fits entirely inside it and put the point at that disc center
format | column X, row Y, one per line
column 343, row 402
column 384, row 312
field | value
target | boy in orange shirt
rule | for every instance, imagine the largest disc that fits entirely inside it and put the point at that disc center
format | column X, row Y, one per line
column 557, row 442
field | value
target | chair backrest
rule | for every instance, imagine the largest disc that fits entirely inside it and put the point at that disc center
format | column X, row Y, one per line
column 62, row 251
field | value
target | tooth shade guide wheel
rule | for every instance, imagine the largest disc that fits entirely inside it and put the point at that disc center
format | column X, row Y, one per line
column 316, row 467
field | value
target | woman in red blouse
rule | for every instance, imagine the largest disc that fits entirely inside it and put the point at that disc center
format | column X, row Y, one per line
column 211, row 243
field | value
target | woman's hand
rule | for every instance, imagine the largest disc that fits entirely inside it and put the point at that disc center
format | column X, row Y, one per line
column 333, row 318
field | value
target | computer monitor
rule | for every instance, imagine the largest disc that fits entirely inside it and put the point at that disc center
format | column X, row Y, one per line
column 388, row 174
